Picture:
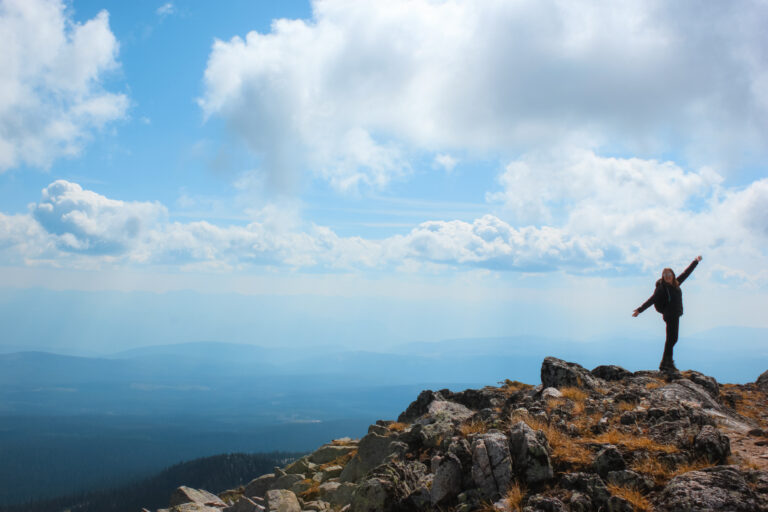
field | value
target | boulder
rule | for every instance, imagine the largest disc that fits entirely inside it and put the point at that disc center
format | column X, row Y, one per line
column 609, row 459
column 610, row 372
column 551, row 393
column 259, row 486
column 709, row 384
column 286, row 481
column 684, row 390
column 372, row 451
column 447, row 480
column 443, row 410
column 491, row 464
column 530, row 453
column 388, row 487
column 281, row 500
column 557, row 373
column 419, row 406
column 711, row 489
column 301, row 466
column 188, row 495
column 712, row 445
column 589, row 486
column 762, row 381
column 338, row 494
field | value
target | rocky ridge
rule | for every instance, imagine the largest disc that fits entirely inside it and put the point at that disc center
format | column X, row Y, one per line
column 600, row 440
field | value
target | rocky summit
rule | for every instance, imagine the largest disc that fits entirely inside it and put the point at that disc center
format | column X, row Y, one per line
column 583, row 440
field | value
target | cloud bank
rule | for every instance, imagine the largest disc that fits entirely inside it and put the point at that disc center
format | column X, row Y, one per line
column 353, row 91
column 622, row 215
column 51, row 98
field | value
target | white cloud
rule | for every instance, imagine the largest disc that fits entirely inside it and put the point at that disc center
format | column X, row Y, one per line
column 349, row 93
column 446, row 161
column 640, row 212
column 51, row 98
column 166, row 9
column 84, row 221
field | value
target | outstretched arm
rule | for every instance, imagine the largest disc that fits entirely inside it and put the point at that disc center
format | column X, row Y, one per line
column 682, row 277
column 645, row 305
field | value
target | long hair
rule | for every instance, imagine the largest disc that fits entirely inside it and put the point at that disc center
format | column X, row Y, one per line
column 674, row 278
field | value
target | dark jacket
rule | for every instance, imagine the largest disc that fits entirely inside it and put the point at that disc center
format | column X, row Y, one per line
column 669, row 298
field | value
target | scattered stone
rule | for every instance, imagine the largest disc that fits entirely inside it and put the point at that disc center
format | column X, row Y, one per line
column 589, row 485
column 629, row 478
column 188, row 495
column 329, row 452
column 712, row 444
column 716, row 488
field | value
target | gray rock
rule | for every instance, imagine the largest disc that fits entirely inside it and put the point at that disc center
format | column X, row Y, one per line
column 433, row 434
column 244, row 504
column 711, row 489
column 684, row 390
column 530, row 453
column 762, row 381
column 447, row 480
column 259, row 486
column 338, row 494
column 316, row 506
column 286, row 481
column 281, row 500
column 609, row 459
column 551, row 393
column 388, row 487
column 372, row 451
column 188, row 495
column 329, row 452
column 712, row 444
column 491, row 464
column 327, row 473
column 611, row 372
column 194, row 507
column 709, row 384
column 539, row 503
column 629, row 478
column 419, row 407
column 301, row 466
column 557, row 373
column 588, row 485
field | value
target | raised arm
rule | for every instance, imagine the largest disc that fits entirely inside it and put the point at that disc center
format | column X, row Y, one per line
column 645, row 305
column 682, row 277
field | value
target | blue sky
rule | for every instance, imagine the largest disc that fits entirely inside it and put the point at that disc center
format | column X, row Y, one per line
column 487, row 156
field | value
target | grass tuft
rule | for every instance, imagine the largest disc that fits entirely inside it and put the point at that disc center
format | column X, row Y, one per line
column 473, row 427
column 514, row 497
column 573, row 393
column 638, row 501
column 634, row 442
column 397, row 426
column 511, row 387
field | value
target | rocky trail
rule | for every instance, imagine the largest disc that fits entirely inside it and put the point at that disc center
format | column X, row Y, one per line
column 601, row 440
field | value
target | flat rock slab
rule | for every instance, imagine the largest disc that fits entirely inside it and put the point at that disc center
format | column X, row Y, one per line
column 720, row 488
column 189, row 495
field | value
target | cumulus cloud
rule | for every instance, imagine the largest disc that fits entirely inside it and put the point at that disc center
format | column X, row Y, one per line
column 84, row 221
column 646, row 211
column 361, row 84
column 51, row 98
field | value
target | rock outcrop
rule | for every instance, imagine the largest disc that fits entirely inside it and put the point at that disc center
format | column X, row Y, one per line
column 606, row 439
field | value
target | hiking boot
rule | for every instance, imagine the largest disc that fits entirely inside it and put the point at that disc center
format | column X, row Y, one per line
column 668, row 366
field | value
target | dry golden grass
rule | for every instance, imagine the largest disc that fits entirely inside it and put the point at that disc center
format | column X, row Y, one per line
column 341, row 460
column 691, row 466
column 473, row 427
column 397, row 426
column 634, row 442
column 312, row 492
column 654, row 468
column 511, row 387
column 514, row 497
column 638, row 501
column 747, row 402
column 564, row 448
column 626, row 406
column 654, row 385
column 584, row 422
column 575, row 394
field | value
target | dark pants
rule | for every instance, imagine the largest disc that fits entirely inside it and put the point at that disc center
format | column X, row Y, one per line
column 673, row 324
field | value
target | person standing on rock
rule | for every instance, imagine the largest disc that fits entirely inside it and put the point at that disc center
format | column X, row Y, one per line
column 668, row 300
